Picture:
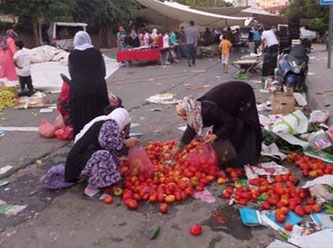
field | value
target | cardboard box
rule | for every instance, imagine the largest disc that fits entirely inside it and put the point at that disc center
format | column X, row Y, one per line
column 283, row 102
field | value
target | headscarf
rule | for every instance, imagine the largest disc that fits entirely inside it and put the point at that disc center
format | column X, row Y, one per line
column 192, row 109
column 82, row 41
column 108, row 132
column 119, row 115
column 154, row 34
column 10, row 33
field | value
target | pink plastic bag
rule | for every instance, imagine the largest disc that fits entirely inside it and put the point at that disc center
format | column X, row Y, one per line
column 139, row 162
column 64, row 133
column 46, row 129
column 58, row 122
column 203, row 158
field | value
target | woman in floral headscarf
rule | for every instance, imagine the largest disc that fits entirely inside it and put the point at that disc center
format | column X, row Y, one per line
column 96, row 151
column 231, row 109
column 7, row 51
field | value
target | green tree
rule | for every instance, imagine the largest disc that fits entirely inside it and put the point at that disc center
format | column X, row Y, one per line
column 205, row 3
column 34, row 11
column 106, row 15
column 308, row 9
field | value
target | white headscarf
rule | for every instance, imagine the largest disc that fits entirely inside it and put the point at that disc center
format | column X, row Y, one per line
column 120, row 115
column 82, row 41
column 154, row 34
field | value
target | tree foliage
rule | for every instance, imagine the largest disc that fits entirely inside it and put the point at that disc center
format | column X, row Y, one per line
column 309, row 9
column 205, row 3
column 103, row 13
column 99, row 14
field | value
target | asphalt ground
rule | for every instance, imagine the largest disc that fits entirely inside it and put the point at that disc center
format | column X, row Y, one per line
column 62, row 218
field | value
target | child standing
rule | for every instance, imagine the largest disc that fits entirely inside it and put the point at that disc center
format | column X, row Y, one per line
column 22, row 63
column 225, row 46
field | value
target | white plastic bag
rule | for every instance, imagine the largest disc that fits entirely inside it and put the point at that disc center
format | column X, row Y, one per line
column 294, row 123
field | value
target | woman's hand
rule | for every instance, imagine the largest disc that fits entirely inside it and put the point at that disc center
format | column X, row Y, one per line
column 131, row 142
column 209, row 139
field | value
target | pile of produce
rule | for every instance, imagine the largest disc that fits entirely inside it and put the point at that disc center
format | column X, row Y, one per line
column 8, row 97
column 173, row 179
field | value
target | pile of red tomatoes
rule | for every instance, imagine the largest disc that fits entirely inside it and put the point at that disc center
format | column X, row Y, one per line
column 193, row 168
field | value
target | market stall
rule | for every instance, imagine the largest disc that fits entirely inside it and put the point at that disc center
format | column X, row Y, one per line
column 146, row 54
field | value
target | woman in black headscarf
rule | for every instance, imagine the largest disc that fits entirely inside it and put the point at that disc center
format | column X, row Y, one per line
column 88, row 93
column 231, row 109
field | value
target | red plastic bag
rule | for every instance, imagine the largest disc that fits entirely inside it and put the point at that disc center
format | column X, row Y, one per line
column 46, row 129
column 58, row 122
column 139, row 162
column 64, row 133
column 203, row 158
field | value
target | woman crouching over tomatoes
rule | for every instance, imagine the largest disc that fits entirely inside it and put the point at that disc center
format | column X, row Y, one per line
column 96, row 151
column 230, row 108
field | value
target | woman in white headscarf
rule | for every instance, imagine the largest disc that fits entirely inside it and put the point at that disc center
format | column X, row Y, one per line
column 95, row 154
column 88, row 93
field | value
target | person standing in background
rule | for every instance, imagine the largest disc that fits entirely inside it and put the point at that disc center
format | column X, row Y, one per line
column 7, row 51
column 256, row 38
column 88, row 93
column 270, row 45
column 182, row 42
column 121, row 38
column 146, row 38
column 225, row 47
column 192, row 35
column 133, row 39
column 153, row 36
column 22, row 62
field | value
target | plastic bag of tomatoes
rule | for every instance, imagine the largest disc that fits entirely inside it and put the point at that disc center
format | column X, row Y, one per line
column 139, row 163
column 203, row 158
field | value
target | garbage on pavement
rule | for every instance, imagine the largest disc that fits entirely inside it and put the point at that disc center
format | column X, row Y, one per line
column 165, row 98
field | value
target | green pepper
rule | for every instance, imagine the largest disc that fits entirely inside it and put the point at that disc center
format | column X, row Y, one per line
column 154, row 232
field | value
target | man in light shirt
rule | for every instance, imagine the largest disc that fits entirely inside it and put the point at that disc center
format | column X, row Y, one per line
column 270, row 45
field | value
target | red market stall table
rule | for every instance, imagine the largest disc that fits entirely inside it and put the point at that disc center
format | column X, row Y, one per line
column 131, row 55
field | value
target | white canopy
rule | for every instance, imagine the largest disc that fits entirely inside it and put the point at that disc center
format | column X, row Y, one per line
column 184, row 13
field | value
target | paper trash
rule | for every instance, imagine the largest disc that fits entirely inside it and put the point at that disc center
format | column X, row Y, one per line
column 319, row 116
column 327, row 179
column 165, row 98
column 204, row 195
column 262, row 169
column 272, row 151
column 321, row 239
column 5, row 169
column 280, row 244
column 294, row 123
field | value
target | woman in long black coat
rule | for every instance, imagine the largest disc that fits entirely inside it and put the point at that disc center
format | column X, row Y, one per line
column 88, row 94
column 231, row 109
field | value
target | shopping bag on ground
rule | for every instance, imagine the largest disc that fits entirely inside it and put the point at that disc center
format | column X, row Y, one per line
column 46, row 129
column 64, row 133
column 139, row 162
column 203, row 158
column 225, row 151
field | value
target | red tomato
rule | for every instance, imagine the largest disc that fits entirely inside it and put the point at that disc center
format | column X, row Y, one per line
column 288, row 227
column 196, row 229
column 163, row 208
column 108, row 199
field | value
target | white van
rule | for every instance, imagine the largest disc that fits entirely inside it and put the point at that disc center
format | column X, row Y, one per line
column 60, row 34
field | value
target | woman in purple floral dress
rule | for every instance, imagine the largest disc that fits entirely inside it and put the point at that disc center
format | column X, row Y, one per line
column 96, row 151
